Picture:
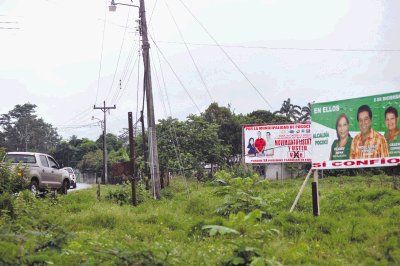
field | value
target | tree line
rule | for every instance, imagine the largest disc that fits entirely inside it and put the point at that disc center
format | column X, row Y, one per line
column 210, row 138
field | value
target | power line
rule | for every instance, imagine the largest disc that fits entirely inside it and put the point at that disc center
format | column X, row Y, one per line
column 101, row 54
column 129, row 77
column 9, row 28
column 190, row 54
column 173, row 130
column 227, row 55
column 78, row 116
column 152, row 12
column 176, row 76
column 283, row 48
column 159, row 89
column 75, row 126
column 119, row 55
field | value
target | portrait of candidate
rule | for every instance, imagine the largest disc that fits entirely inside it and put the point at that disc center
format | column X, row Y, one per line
column 368, row 143
column 269, row 147
column 251, row 147
column 340, row 149
column 259, row 143
column 392, row 134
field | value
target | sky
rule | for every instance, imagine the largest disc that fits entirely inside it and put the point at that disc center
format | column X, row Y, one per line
column 67, row 57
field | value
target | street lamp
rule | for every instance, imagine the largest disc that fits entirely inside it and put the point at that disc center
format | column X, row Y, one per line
column 113, row 5
column 101, row 121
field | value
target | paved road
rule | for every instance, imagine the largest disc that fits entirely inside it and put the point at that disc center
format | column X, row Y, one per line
column 80, row 186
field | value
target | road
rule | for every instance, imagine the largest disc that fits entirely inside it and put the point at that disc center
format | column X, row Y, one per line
column 80, row 186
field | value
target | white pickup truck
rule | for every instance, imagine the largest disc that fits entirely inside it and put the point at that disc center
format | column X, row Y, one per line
column 40, row 170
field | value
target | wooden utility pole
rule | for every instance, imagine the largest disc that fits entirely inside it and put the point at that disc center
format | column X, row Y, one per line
column 132, row 159
column 151, row 125
column 104, row 178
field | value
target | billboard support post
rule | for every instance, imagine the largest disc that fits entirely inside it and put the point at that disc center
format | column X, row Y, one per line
column 315, row 196
column 300, row 191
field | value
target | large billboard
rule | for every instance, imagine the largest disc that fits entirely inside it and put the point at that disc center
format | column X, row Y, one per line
column 281, row 143
column 355, row 133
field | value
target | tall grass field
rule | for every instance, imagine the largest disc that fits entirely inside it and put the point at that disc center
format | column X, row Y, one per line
column 230, row 221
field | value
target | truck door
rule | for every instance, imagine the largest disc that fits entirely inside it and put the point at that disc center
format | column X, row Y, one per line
column 56, row 173
column 45, row 172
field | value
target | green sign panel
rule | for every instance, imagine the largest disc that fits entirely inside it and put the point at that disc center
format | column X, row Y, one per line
column 355, row 133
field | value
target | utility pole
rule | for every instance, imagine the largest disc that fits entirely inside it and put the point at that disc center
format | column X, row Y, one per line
column 132, row 159
column 151, row 125
column 104, row 178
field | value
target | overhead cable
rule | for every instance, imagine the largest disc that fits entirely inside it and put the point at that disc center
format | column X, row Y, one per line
column 119, row 56
column 176, row 76
column 284, row 48
column 227, row 55
column 190, row 54
column 101, row 54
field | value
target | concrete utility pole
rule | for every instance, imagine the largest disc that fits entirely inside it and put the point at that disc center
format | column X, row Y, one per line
column 104, row 178
column 151, row 125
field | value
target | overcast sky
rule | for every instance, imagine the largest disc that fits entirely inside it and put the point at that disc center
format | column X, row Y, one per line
column 67, row 56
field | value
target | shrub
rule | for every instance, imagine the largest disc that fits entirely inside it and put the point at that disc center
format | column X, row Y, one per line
column 9, row 179
column 120, row 195
column 240, row 194
column 6, row 204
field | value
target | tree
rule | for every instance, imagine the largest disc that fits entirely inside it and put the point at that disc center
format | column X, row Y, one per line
column 66, row 154
column 229, row 132
column 120, row 155
column 290, row 111
column 264, row 117
column 189, row 144
column 91, row 162
column 306, row 113
column 113, row 142
column 86, row 145
column 23, row 130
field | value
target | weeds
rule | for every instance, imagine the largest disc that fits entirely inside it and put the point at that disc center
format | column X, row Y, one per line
column 359, row 225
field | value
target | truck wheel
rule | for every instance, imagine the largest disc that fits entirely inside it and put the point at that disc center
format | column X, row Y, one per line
column 64, row 187
column 34, row 187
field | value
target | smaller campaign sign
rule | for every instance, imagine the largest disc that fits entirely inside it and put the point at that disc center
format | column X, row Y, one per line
column 277, row 143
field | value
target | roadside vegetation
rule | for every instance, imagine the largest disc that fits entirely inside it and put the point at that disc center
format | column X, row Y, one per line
column 232, row 220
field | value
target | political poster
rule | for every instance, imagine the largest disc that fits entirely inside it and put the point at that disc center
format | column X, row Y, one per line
column 281, row 143
column 356, row 133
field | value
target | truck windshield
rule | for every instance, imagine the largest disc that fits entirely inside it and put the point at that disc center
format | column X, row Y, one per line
column 20, row 158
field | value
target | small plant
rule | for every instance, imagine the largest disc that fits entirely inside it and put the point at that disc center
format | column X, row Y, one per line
column 219, row 230
column 120, row 195
column 240, row 201
column 247, row 255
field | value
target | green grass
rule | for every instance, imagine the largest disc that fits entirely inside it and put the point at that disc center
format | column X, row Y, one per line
column 359, row 225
